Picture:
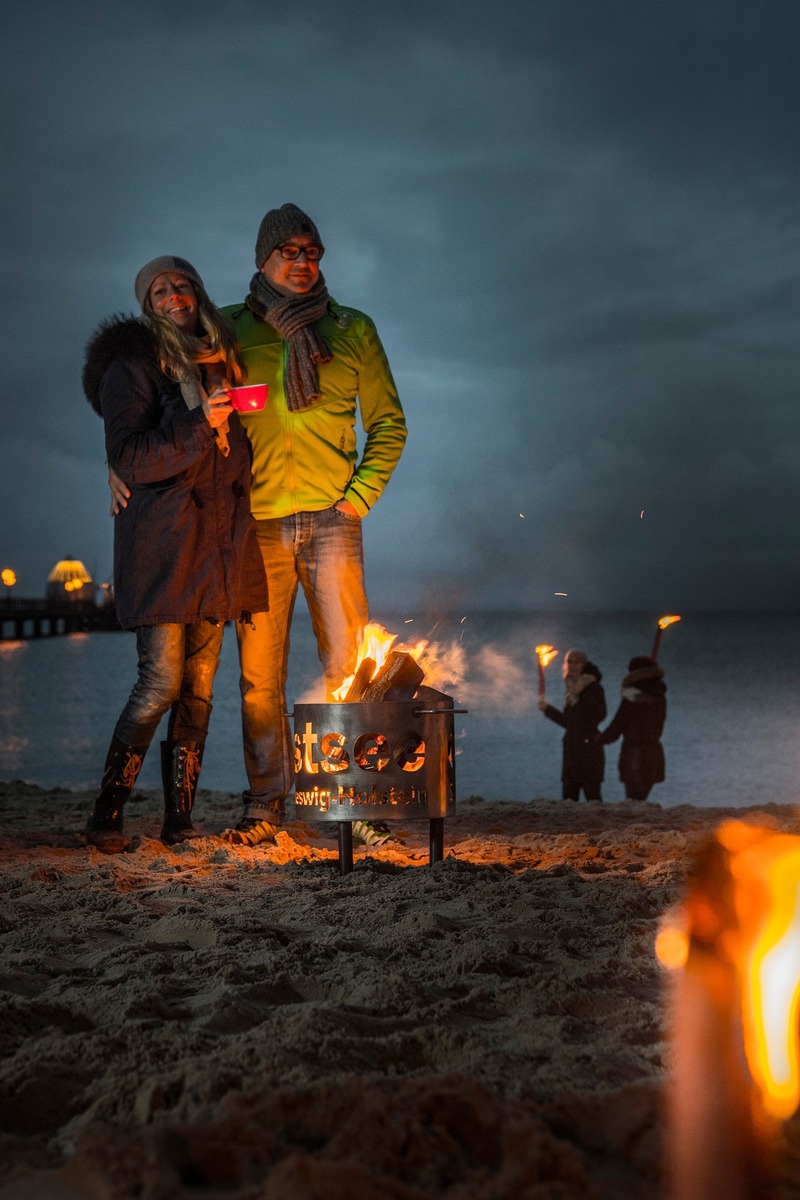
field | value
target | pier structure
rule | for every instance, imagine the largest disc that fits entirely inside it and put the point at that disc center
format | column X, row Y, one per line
column 21, row 619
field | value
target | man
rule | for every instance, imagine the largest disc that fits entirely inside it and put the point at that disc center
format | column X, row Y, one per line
column 322, row 362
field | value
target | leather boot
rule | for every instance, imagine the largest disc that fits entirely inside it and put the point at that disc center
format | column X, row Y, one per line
column 104, row 828
column 180, row 770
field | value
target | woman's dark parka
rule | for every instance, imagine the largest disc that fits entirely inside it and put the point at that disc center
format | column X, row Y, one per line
column 185, row 548
column 639, row 721
column 583, row 758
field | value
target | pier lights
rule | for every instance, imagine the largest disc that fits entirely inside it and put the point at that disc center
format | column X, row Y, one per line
column 9, row 578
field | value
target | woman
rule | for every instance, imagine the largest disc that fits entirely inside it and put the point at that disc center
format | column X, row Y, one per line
column 584, row 709
column 186, row 557
column 639, row 720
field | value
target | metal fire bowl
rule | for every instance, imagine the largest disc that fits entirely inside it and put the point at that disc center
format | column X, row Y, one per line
column 387, row 761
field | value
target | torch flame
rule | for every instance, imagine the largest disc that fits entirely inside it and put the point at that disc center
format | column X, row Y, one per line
column 664, row 622
column 545, row 654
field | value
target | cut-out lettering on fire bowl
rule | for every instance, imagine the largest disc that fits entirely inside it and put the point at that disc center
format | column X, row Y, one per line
column 387, row 760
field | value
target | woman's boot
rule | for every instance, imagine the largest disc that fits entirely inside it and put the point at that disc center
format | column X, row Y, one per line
column 180, row 770
column 104, row 828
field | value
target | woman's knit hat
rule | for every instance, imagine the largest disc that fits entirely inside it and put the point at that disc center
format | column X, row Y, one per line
column 640, row 662
column 158, row 266
column 278, row 226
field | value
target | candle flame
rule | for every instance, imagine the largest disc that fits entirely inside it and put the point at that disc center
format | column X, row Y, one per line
column 663, row 622
column 545, row 654
column 759, row 935
column 767, row 899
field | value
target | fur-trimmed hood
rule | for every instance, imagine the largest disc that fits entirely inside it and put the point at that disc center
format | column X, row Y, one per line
column 644, row 686
column 116, row 337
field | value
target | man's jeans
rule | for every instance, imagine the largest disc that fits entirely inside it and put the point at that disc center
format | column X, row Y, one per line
column 177, row 664
column 323, row 552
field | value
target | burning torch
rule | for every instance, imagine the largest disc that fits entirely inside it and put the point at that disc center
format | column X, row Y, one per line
column 734, row 1014
column 544, row 655
column 663, row 623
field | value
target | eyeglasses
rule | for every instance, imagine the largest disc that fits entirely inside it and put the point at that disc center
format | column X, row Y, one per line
column 292, row 252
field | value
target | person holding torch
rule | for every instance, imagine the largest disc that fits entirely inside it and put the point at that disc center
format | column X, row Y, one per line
column 584, row 708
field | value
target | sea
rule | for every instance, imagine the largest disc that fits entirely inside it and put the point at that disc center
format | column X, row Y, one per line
column 732, row 736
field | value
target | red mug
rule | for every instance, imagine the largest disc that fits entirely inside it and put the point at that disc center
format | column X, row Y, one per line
column 250, row 398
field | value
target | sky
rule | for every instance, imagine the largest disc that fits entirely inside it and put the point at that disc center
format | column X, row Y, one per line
column 576, row 224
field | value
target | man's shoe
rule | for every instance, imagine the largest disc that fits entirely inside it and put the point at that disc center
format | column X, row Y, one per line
column 252, row 832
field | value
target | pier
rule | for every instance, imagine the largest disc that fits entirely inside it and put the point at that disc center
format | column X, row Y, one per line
column 21, row 619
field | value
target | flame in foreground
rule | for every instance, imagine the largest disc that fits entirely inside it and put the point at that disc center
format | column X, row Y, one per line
column 758, row 933
column 664, row 622
column 545, row 654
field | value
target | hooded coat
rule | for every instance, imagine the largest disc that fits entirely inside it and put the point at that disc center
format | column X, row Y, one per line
column 639, row 721
column 583, row 760
column 185, row 548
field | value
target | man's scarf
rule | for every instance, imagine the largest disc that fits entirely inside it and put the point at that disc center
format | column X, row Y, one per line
column 212, row 364
column 293, row 317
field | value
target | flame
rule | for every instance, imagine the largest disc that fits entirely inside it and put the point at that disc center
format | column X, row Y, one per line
column 766, row 874
column 376, row 642
column 8, row 577
column 545, row 654
column 664, row 622
column 759, row 935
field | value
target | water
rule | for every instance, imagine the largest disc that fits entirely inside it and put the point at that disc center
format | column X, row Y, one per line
column 731, row 735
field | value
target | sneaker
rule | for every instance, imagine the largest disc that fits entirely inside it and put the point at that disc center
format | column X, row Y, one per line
column 252, row 832
column 373, row 833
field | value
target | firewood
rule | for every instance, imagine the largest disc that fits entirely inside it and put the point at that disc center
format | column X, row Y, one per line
column 361, row 681
column 398, row 679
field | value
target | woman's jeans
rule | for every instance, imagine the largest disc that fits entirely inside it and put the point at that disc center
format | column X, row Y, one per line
column 177, row 664
column 323, row 553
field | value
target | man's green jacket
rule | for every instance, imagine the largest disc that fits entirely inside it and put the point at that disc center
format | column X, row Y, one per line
column 307, row 461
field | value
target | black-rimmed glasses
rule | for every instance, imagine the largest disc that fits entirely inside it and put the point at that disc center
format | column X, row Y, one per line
column 291, row 252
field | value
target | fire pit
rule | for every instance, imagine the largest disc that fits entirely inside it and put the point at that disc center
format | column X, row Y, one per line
column 387, row 760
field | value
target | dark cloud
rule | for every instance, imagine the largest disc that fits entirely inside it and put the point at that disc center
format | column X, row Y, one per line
column 575, row 224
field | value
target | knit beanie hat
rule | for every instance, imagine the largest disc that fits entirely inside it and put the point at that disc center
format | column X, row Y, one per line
column 640, row 662
column 278, row 226
column 151, row 271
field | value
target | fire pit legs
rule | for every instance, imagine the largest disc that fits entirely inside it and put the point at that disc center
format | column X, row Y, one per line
column 436, row 840
column 345, row 847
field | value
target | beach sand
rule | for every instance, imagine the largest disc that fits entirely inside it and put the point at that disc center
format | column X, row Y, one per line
column 232, row 1023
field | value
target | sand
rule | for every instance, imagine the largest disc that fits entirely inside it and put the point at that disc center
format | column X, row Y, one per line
column 222, row 1022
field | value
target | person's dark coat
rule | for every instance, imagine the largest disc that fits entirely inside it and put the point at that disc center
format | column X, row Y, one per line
column 583, row 759
column 185, row 548
column 639, row 721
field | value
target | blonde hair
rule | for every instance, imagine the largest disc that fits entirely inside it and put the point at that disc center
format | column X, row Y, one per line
column 177, row 353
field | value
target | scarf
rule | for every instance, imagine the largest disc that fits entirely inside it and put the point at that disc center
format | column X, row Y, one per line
column 212, row 363
column 293, row 317
column 574, row 687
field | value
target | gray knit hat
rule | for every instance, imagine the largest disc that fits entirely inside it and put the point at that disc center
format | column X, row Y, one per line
column 278, row 226
column 151, row 271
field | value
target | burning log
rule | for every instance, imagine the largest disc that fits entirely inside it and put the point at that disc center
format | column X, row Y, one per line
column 361, row 681
column 398, row 679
